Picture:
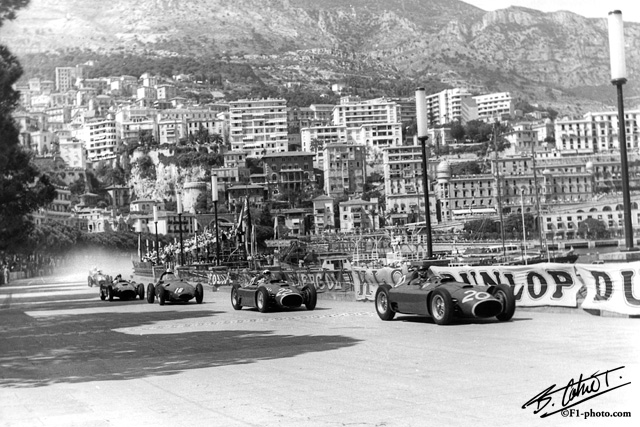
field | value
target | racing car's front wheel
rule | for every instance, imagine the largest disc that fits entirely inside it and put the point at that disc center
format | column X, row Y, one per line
column 89, row 282
column 262, row 300
column 103, row 294
column 110, row 293
column 441, row 307
column 504, row 294
column 140, row 290
column 199, row 293
column 383, row 307
column 235, row 299
column 162, row 295
column 311, row 296
column 151, row 293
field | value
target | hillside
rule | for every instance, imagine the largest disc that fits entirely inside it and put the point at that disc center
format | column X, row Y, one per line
column 559, row 58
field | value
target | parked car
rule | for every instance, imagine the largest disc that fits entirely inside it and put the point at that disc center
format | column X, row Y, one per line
column 268, row 290
column 170, row 287
column 121, row 288
column 443, row 299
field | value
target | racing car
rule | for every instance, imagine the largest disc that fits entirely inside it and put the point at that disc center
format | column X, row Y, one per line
column 121, row 288
column 443, row 298
column 171, row 288
column 266, row 291
column 97, row 277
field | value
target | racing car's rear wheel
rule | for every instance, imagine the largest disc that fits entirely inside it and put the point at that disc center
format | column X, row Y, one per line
column 504, row 294
column 199, row 293
column 151, row 293
column 441, row 307
column 235, row 300
column 140, row 289
column 262, row 300
column 383, row 307
column 311, row 296
column 110, row 293
column 162, row 295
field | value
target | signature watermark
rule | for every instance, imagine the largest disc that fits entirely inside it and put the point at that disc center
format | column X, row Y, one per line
column 556, row 399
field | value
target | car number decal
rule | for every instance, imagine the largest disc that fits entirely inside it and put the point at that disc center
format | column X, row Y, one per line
column 474, row 295
column 178, row 290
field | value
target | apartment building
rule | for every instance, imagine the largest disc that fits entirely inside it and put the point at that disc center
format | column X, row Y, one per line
column 258, row 125
column 100, row 138
column 344, row 168
column 358, row 214
column 65, row 77
column 288, row 172
column 315, row 138
column 404, row 189
column 494, row 106
column 323, row 216
column 450, row 105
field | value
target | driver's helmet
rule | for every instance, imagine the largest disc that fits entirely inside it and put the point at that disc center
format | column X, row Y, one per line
column 424, row 273
column 266, row 273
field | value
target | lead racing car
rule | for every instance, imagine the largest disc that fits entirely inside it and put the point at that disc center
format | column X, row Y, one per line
column 121, row 288
column 97, row 278
column 171, row 288
column 443, row 299
column 268, row 290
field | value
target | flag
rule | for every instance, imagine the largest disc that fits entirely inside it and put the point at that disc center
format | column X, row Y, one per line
column 275, row 227
column 246, row 222
column 140, row 246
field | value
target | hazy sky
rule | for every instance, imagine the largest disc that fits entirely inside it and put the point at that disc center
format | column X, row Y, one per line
column 589, row 8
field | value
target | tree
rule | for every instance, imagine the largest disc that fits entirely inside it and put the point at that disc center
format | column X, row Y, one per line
column 457, row 131
column 23, row 188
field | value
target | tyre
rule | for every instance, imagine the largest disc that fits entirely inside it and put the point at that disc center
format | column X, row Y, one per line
column 140, row 289
column 310, row 296
column 151, row 293
column 504, row 294
column 89, row 282
column 441, row 307
column 199, row 293
column 110, row 293
column 235, row 299
column 262, row 300
column 383, row 306
column 162, row 295
column 103, row 294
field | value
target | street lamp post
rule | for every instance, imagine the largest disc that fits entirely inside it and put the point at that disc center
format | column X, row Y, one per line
column 214, row 198
column 618, row 78
column 421, row 118
column 155, row 221
column 179, row 207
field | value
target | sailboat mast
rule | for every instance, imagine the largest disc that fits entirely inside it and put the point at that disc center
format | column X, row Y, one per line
column 537, row 195
column 499, row 192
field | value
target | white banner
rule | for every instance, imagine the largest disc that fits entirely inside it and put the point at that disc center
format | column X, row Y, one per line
column 611, row 287
column 549, row 284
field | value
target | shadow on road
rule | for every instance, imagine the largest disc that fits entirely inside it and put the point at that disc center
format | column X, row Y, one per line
column 80, row 348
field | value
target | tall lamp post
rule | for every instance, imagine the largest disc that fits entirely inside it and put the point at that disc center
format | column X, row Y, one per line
column 155, row 221
column 423, row 135
column 179, row 207
column 618, row 78
column 214, row 199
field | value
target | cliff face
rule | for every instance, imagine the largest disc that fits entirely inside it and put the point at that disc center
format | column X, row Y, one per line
column 536, row 54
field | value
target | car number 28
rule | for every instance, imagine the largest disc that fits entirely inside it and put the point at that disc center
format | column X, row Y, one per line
column 179, row 290
column 475, row 295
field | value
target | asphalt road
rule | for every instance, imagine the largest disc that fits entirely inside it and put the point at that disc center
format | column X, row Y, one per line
column 69, row 359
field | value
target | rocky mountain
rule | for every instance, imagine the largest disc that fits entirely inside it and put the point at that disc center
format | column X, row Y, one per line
column 559, row 58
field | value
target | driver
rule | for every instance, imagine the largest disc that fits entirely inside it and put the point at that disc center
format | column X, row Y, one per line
column 264, row 276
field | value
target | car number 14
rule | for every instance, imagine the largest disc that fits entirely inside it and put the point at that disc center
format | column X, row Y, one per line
column 474, row 295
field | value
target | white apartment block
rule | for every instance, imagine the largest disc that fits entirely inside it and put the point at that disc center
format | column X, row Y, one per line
column 72, row 152
column 259, row 123
column 315, row 138
column 494, row 105
column 344, row 168
column 403, row 185
column 100, row 138
column 174, row 124
column 450, row 105
column 145, row 92
column 166, row 91
column 354, row 114
column 596, row 132
column 66, row 77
